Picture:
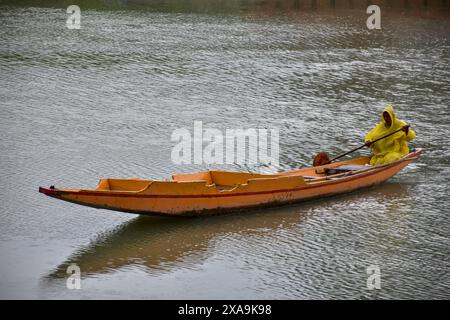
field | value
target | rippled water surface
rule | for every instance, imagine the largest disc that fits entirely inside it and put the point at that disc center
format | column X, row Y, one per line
column 78, row 105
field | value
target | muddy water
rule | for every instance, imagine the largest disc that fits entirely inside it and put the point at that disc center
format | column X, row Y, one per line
column 78, row 105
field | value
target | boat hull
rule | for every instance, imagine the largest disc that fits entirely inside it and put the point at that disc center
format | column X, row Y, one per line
column 185, row 201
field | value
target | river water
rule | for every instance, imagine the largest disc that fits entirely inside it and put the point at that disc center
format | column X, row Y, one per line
column 102, row 101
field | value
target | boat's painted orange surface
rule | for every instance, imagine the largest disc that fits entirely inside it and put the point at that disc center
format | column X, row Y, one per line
column 218, row 191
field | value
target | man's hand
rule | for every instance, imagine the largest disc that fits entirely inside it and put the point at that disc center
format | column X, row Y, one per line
column 406, row 129
column 368, row 143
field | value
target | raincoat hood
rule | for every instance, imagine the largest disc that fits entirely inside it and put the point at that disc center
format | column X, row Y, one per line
column 390, row 110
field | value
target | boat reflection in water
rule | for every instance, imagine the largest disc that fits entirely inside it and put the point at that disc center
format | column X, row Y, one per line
column 161, row 244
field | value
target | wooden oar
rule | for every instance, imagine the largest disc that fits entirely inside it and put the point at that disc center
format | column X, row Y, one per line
column 322, row 158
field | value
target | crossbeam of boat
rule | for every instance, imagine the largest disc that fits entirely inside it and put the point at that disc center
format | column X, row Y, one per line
column 342, row 172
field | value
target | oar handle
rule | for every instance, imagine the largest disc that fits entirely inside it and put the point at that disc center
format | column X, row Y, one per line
column 344, row 154
column 365, row 145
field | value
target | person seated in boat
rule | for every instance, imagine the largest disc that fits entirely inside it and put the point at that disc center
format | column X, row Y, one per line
column 394, row 147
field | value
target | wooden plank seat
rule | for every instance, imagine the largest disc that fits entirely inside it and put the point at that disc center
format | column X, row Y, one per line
column 345, row 168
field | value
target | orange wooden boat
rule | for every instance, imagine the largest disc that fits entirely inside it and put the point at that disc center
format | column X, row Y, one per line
column 212, row 192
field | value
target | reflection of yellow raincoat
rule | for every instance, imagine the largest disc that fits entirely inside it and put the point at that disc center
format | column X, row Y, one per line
column 393, row 147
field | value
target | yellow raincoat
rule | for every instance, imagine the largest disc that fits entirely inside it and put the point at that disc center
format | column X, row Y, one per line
column 393, row 147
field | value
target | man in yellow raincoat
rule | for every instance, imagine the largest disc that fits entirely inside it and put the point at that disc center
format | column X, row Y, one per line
column 393, row 147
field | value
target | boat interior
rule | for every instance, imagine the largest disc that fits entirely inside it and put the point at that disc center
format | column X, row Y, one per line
column 227, row 181
column 222, row 180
